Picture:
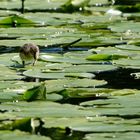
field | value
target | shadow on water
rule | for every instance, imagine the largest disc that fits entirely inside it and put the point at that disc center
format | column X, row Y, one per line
column 122, row 78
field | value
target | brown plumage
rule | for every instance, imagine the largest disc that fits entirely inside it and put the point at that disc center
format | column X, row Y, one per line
column 29, row 52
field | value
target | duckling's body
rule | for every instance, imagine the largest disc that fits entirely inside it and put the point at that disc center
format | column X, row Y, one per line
column 29, row 52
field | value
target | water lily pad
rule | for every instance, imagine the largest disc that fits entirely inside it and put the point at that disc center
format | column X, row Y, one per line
column 80, row 75
column 76, row 102
column 94, row 26
column 113, row 51
column 8, row 74
column 105, row 127
column 94, row 124
column 99, row 41
column 91, row 68
column 134, row 42
column 125, row 26
column 118, row 102
column 79, row 83
column 128, row 63
column 16, row 21
column 13, row 135
column 38, row 74
column 13, row 90
column 35, row 93
column 114, row 136
column 79, row 69
column 62, row 59
column 128, row 47
column 44, row 109
column 105, row 57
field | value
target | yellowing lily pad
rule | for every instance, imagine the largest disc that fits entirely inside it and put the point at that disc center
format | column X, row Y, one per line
column 105, row 57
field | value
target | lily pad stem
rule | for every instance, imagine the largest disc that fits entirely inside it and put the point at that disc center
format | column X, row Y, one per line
column 65, row 47
column 22, row 7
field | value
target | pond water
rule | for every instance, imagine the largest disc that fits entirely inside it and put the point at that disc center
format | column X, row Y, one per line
column 85, row 84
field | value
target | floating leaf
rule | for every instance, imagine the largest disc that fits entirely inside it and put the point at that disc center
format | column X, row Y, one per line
column 16, row 21
column 125, row 26
column 75, row 83
column 8, row 74
column 88, row 68
column 60, row 59
column 15, row 135
column 44, row 109
column 38, row 74
column 128, row 47
column 80, row 75
column 114, row 136
column 135, row 42
column 128, row 63
column 95, row 26
column 105, row 57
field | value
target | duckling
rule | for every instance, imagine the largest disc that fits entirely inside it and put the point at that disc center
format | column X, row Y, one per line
column 29, row 52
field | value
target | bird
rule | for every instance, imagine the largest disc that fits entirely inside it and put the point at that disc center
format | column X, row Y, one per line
column 29, row 52
column 114, row 13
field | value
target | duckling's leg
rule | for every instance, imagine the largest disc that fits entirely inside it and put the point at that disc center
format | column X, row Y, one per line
column 35, row 55
column 34, row 62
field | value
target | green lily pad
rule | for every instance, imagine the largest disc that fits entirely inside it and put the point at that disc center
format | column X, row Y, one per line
column 128, row 63
column 16, row 21
column 91, row 68
column 100, row 124
column 76, row 96
column 13, row 90
column 128, row 47
column 114, row 136
column 105, row 127
column 95, row 26
column 44, row 109
column 134, row 42
column 99, row 41
column 38, row 74
column 22, row 124
column 75, row 83
column 113, row 51
column 105, row 57
column 125, row 26
column 15, row 135
column 118, row 102
column 8, row 74
column 35, row 93
column 80, row 75
column 62, row 59
column 77, row 69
